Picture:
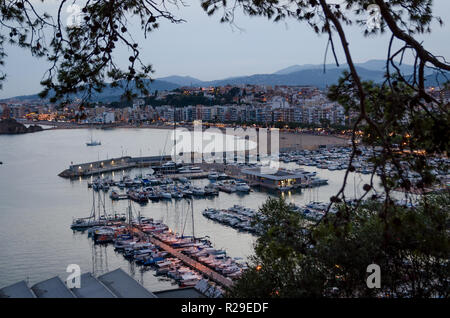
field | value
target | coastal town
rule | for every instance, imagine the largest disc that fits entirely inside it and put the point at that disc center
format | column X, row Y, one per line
column 148, row 150
column 251, row 104
column 314, row 134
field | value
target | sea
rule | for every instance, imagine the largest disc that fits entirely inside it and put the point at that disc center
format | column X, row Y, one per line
column 37, row 206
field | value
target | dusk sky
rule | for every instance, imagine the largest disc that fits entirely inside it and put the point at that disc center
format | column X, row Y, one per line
column 206, row 49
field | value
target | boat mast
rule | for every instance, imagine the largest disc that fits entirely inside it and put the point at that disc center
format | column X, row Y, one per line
column 93, row 204
column 174, row 138
column 99, row 199
column 191, row 202
column 129, row 213
column 104, row 204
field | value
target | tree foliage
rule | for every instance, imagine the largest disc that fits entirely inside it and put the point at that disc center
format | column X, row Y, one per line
column 292, row 259
column 405, row 123
column 81, row 53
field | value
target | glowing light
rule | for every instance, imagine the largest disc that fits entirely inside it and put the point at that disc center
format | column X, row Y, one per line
column 258, row 268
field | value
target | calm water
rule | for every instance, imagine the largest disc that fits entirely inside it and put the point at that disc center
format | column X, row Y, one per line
column 37, row 206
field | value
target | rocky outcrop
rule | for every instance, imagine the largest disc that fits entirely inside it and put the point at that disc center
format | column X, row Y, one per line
column 11, row 126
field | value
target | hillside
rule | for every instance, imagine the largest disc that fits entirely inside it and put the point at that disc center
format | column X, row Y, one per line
column 304, row 75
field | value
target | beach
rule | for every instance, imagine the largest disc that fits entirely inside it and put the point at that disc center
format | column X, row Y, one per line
column 296, row 141
column 288, row 140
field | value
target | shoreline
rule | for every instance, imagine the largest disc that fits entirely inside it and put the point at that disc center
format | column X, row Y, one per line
column 288, row 140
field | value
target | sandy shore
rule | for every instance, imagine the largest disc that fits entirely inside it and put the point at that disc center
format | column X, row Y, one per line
column 290, row 140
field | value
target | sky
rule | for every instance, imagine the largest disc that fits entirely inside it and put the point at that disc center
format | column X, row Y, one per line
column 206, row 49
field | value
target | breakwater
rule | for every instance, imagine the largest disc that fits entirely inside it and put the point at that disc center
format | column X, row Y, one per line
column 113, row 164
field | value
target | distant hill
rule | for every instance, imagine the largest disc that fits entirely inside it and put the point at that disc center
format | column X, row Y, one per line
column 297, row 68
column 371, row 65
column 109, row 94
column 306, row 75
column 314, row 77
column 181, row 80
column 437, row 79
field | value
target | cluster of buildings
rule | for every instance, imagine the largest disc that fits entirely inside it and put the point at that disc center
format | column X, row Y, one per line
column 250, row 104
column 331, row 113
column 33, row 110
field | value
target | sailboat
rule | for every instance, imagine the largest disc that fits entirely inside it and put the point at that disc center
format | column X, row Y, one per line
column 96, row 219
column 93, row 142
column 86, row 222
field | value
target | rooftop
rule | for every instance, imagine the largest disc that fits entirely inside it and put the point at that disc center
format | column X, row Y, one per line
column 124, row 286
column 17, row 290
column 114, row 284
column 52, row 288
column 91, row 287
column 277, row 175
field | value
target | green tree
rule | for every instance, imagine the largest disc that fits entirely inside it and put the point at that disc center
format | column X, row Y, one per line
column 294, row 258
column 81, row 54
column 404, row 124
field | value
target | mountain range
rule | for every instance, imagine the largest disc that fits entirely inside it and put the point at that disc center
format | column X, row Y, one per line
column 308, row 74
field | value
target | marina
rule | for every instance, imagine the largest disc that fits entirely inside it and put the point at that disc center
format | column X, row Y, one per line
column 46, row 251
column 148, row 243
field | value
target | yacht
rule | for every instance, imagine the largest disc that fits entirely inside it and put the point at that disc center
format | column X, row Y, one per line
column 183, row 179
column 84, row 223
column 93, row 143
column 176, row 194
column 198, row 191
column 165, row 195
column 213, row 175
column 242, row 187
column 153, row 195
column 211, row 190
column 222, row 176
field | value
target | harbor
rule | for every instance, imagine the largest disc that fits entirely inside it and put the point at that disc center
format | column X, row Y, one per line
column 147, row 242
column 47, row 252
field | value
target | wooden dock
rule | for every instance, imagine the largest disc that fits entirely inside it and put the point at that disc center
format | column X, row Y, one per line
column 213, row 275
column 192, row 175
column 218, row 278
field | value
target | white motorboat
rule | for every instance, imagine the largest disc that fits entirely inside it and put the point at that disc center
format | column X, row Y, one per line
column 242, row 187
column 165, row 195
column 213, row 175
column 198, row 191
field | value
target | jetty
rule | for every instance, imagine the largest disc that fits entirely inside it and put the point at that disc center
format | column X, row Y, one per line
column 76, row 170
column 113, row 164
column 206, row 271
column 213, row 275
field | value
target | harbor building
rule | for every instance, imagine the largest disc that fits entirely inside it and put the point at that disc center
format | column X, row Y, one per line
column 114, row 284
column 279, row 180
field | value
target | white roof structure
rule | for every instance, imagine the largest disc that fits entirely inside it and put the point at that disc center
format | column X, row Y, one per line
column 278, row 175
